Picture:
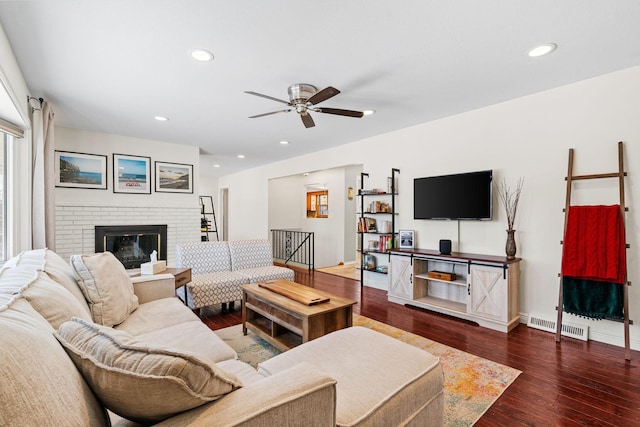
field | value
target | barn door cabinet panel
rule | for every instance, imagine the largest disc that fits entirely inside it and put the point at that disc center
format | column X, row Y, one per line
column 401, row 284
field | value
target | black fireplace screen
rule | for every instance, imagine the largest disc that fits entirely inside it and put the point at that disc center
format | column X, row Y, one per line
column 132, row 244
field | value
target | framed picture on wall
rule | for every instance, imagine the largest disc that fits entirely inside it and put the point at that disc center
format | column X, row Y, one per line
column 406, row 239
column 174, row 178
column 80, row 170
column 131, row 174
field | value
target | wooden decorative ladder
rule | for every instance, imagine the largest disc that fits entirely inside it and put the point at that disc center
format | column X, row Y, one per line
column 570, row 178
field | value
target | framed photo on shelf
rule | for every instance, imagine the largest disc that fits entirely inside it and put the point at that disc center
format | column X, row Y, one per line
column 80, row 170
column 131, row 174
column 407, row 238
column 174, row 178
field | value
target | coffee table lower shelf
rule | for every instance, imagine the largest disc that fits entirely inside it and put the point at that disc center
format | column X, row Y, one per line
column 280, row 337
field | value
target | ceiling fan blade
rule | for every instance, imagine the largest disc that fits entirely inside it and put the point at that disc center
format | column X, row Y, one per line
column 268, row 97
column 307, row 120
column 323, row 95
column 268, row 114
column 339, row 112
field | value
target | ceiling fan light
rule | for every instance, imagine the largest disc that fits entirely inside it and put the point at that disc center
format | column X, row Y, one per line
column 201, row 55
column 543, row 49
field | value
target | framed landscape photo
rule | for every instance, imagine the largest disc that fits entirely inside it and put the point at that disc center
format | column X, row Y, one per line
column 406, row 239
column 174, row 178
column 80, row 170
column 131, row 174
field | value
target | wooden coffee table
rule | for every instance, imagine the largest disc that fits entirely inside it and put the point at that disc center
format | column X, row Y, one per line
column 286, row 323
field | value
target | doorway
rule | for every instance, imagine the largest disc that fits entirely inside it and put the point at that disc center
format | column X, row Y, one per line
column 224, row 202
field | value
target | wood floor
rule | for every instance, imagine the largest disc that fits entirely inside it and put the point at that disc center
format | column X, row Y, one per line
column 574, row 383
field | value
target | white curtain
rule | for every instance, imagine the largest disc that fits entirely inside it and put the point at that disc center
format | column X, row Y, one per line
column 43, row 225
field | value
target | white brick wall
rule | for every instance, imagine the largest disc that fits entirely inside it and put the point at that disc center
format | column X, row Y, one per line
column 75, row 232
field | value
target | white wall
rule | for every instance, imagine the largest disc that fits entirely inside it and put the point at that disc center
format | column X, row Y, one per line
column 78, row 211
column 527, row 137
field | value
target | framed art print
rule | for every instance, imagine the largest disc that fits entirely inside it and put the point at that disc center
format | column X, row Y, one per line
column 406, row 239
column 174, row 178
column 80, row 170
column 131, row 174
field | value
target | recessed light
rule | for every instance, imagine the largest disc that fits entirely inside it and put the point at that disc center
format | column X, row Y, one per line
column 369, row 112
column 241, row 156
column 306, row 174
column 161, row 118
column 216, row 165
column 284, row 142
column 543, row 49
column 201, row 55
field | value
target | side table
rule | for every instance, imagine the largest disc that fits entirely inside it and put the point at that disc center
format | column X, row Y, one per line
column 181, row 277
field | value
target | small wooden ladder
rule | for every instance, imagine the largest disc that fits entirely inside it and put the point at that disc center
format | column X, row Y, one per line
column 570, row 178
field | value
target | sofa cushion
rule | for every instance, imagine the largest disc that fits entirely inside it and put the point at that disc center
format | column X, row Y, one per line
column 40, row 384
column 157, row 314
column 214, row 288
column 204, row 257
column 194, row 337
column 168, row 322
column 138, row 382
column 106, row 286
column 250, row 254
column 270, row 272
column 47, row 297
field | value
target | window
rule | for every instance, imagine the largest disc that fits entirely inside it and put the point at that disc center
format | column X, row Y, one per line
column 4, row 141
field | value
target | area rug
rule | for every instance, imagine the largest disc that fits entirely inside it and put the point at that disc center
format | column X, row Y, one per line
column 472, row 384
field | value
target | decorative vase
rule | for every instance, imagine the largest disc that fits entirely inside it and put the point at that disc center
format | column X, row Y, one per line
column 510, row 247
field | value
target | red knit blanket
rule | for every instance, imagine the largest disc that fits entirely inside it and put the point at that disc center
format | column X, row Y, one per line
column 594, row 244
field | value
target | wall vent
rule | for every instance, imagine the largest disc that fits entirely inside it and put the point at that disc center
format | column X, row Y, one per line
column 572, row 330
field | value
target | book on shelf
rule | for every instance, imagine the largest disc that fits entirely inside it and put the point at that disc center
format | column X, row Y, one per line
column 377, row 206
column 367, row 225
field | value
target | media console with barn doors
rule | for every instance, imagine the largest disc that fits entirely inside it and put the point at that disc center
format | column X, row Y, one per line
column 132, row 244
column 478, row 288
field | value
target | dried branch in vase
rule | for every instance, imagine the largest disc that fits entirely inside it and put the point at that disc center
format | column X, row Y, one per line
column 510, row 199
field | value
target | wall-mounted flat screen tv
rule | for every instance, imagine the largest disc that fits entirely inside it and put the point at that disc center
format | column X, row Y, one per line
column 458, row 196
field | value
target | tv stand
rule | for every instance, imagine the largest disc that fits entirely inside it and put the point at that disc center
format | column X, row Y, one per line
column 479, row 288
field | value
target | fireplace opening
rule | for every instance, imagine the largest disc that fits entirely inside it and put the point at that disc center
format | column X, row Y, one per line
column 132, row 244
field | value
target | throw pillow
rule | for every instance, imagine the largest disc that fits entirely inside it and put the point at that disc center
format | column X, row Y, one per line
column 106, row 287
column 141, row 383
column 52, row 301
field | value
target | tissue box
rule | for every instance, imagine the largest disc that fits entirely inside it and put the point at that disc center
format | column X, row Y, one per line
column 153, row 267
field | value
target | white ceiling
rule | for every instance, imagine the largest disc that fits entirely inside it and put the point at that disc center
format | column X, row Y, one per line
column 111, row 66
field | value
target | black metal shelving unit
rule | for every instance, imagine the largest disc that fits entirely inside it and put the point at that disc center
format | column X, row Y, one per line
column 365, row 194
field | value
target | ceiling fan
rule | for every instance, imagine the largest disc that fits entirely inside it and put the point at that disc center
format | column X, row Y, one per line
column 303, row 99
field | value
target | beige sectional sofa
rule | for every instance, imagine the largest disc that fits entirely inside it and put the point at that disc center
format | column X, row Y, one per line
column 218, row 269
column 81, row 345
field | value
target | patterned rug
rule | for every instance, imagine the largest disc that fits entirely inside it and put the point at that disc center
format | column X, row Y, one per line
column 472, row 384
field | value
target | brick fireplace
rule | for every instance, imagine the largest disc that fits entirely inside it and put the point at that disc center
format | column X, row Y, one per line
column 75, row 225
